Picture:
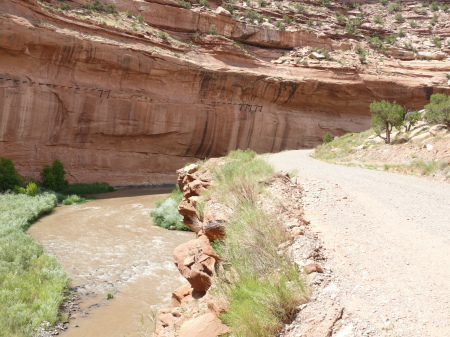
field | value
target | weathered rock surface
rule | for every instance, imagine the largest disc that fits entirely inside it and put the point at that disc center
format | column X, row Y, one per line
column 128, row 108
column 196, row 260
column 207, row 325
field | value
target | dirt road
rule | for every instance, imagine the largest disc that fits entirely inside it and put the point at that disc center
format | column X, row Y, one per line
column 387, row 241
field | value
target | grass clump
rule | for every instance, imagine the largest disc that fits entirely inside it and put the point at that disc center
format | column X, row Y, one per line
column 261, row 287
column 32, row 283
column 165, row 213
column 73, row 199
column 428, row 167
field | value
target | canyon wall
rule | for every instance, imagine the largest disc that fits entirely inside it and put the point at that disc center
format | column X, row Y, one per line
column 128, row 109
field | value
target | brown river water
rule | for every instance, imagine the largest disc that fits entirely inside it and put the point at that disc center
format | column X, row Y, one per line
column 110, row 245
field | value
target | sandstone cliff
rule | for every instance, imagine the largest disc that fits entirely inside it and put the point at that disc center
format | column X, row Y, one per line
column 126, row 102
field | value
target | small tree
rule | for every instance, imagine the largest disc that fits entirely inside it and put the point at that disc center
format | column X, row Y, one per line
column 411, row 119
column 9, row 178
column 327, row 138
column 438, row 111
column 53, row 176
column 385, row 116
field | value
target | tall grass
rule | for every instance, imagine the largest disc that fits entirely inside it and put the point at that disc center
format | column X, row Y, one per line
column 32, row 283
column 261, row 287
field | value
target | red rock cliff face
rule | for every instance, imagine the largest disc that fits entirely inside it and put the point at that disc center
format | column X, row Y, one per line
column 129, row 108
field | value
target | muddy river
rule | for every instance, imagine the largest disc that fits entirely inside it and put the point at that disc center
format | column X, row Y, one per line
column 111, row 246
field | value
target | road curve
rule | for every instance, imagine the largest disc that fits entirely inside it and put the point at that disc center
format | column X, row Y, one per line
column 387, row 237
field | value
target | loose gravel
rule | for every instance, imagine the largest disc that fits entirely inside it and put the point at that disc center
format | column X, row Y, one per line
column 386, row 238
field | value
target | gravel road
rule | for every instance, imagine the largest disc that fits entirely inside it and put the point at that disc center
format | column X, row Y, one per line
column 387, row 240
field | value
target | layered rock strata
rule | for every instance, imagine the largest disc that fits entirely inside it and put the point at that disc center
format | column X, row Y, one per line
column 129, row 107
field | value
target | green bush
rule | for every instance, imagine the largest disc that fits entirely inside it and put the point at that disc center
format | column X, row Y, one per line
column 53, row 177
column 327, row 138
column 212, row 30
column 73, row 199
column 98, row 6
column 166, row 215
column 111, row 8
column 438, row 111
column 378, row 19
column 9, row 178
column 228, row 7
column 83, row 189
column 32, row 283
column 65, row 7
column 411, row 119
column 31, row 189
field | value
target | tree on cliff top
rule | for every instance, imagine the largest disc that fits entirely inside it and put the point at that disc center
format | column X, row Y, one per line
column 438, row 111
column 385, row 116
column 53, row 176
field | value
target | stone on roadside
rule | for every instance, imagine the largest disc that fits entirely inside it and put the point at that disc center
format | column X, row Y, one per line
column 312, row 267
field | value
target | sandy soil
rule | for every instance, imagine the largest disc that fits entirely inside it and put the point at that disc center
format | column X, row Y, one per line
column 386, row 240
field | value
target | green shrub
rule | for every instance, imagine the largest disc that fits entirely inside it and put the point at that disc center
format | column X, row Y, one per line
column 84, row 189
column 9, row 178
column 384, row 2
column 185, row 4
column 280, row 26
column 378, row 20
column 163, row 35
column 203, row 3
column 286, row 19
column 399, row 17
column 129, row 14
column 411, row 119
column 111, row 8
column 434, row 6
column 140, row 18
column 327, row 138
column 32, row 283
column 212, row 30
column 340, row 17
column 166, row 215
column 30, row 190
column 53, row 176
column 262, row 3
column 299, row 8
column 228, row 7
column 436, row 41
column 98, row 6
column 73, row 199
column 65, row 7
column 376, row 42
column 434, row 20
column 438, row 111
column 254, row 15
column 350, row 28
column 394, row 8
column 391, row 39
